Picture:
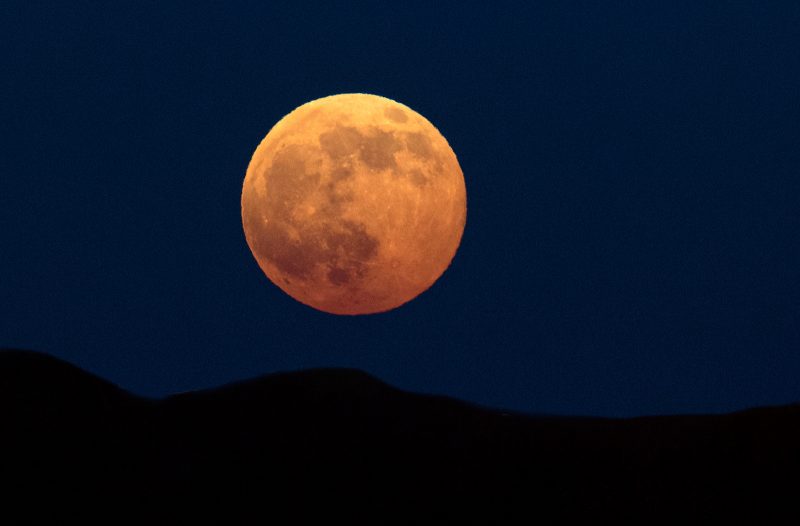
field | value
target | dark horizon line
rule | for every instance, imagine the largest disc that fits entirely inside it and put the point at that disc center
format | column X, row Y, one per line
column 352, row 372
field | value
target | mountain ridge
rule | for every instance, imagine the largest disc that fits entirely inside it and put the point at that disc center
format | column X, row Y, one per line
column 343, row 440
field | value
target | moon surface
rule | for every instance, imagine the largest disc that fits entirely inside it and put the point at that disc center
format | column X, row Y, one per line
column 354, row 204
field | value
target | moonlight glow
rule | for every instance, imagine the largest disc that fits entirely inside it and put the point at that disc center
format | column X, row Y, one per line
column 353, row 204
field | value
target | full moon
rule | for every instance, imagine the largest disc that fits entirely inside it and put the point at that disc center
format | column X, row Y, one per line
column 354, row 204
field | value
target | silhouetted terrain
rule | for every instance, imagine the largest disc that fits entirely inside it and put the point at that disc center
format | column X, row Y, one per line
column 338, row 442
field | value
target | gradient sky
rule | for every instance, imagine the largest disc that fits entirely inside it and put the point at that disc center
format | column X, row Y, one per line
column 633, row 179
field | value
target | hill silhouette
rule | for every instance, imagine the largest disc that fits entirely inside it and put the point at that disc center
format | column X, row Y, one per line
column 339, row 443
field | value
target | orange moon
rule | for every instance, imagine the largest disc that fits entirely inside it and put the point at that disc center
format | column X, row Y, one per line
column 354, row 204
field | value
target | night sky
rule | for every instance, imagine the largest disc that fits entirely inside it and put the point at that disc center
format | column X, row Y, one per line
column 632, row 173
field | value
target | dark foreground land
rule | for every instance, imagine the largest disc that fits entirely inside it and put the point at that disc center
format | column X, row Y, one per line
column 338, row 444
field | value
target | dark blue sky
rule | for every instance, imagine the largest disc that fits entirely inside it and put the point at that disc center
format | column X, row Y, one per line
column 632, row 170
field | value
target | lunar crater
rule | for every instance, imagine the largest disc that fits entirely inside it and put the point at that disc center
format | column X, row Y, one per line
column 344, row 246
column 418, row 177
column 378, row 149
column 395, row 114
column 419, row 145
column 340, row 142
